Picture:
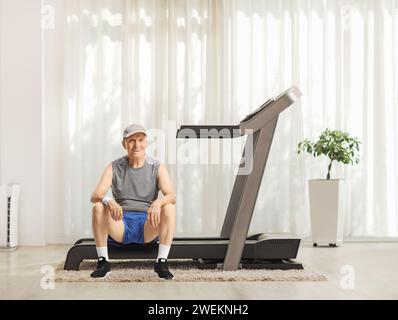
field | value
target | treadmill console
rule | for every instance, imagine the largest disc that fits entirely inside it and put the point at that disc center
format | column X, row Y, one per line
column 258, row 110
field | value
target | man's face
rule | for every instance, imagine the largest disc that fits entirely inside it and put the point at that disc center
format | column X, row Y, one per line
column 135, row 145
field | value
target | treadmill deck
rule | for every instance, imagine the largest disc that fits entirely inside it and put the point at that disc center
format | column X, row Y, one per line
column 210, row 250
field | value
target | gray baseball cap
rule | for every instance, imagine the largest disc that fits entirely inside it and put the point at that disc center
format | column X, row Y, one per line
column 132, row 129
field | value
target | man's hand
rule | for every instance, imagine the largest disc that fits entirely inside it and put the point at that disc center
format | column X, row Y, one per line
column 115, row 210
column 154, row 213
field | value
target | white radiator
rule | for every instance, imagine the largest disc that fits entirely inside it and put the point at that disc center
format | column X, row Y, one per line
column 9, row 201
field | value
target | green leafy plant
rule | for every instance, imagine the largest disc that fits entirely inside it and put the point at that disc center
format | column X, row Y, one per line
column 336, row 145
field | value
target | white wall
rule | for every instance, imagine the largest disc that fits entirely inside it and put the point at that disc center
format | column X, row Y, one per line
column 52, row 108
column 21, row 145
column 31, row 150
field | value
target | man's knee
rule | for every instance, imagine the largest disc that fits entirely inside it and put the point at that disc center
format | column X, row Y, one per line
column 168, row 211
column 98, row 210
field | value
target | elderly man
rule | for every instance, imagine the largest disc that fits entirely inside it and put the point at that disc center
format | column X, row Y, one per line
column 134, row 214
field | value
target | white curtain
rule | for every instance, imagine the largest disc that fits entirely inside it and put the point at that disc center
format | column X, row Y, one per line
column 165, row 63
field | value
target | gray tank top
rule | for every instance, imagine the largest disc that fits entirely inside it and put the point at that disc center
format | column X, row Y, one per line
column 135, row 188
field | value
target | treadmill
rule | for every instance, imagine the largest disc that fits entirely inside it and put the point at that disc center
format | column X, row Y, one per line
column 234, row 248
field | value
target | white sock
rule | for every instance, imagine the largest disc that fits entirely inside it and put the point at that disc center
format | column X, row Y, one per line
column 163, row 252
column 102, row 252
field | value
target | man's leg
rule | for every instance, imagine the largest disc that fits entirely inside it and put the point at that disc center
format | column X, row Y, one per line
column 165, row 230
column 167, row 224
column 103, row 225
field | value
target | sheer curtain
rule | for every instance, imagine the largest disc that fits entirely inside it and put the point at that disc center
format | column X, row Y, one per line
column 166, row 63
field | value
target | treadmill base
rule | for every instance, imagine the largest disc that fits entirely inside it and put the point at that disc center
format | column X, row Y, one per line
column 253, row 264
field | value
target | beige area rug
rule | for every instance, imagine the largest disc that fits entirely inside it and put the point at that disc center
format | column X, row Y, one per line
column 184, row 271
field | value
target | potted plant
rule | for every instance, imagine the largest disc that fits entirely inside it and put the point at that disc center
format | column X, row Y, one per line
column 326, row 195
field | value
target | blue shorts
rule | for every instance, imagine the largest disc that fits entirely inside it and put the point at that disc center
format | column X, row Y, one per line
column 133, row 228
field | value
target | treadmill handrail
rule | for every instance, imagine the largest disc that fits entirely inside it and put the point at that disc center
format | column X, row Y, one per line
column 253, row 122
column 270, row 110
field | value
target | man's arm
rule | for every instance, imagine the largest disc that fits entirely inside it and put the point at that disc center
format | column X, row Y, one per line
column 100, row 191
column 103, row 185
column 169, row 196
column 165, row 186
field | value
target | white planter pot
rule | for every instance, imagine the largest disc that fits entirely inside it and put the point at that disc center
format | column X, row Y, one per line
column 327, row 211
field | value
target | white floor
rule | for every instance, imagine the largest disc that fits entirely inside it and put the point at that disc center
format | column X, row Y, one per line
column 354, row 271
